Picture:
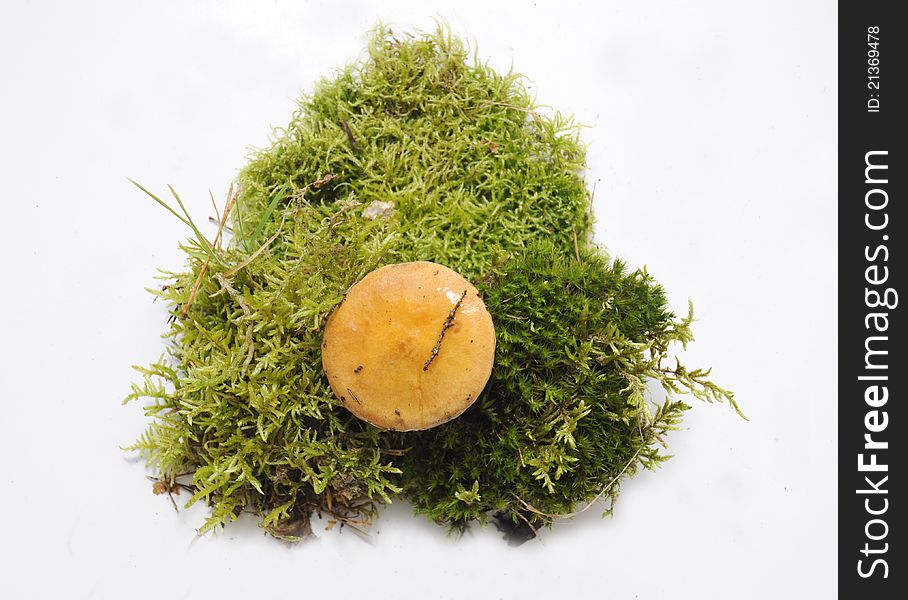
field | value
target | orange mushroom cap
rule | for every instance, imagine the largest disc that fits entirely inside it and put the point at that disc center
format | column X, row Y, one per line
column 410, row 347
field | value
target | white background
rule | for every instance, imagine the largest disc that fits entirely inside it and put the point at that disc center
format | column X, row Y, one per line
column 713, row 141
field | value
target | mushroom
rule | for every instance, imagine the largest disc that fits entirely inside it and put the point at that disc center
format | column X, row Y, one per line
column 410, row 347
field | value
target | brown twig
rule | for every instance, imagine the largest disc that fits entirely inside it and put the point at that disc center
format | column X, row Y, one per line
column 350, row 137
column 215, row 206
column 255, row 254
column 231, row 201
column 320, row 183
column 589, row 209
column 395, row 451
column 449, row 322
column 162, row 486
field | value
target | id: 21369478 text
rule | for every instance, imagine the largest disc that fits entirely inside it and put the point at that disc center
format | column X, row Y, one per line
column 873, row 69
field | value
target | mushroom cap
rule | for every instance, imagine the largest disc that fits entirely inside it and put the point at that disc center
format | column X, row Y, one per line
column 410, row 347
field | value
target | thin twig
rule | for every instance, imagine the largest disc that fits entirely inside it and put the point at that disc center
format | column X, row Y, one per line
column 449, row 322
column 217, row 213
column 231, row 201
column 320, row 183
column 395, row 451
column 255, row 254
column 167, row 486
column 350, row 137
column 592, row 199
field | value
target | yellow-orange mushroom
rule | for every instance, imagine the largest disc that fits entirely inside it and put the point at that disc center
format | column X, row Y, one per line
column 410, row 347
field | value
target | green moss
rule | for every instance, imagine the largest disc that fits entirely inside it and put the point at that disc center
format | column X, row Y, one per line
column 242, row 416
column 470, row 166
column 564, row 416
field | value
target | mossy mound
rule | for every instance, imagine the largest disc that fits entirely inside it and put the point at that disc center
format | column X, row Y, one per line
column 416, row 153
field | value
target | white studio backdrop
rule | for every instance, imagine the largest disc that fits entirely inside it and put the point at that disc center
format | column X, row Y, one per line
column 712, row 142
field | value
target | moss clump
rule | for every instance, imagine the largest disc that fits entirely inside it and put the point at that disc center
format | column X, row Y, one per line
column 472, row 169
column 565, row 414
column 242, row 415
